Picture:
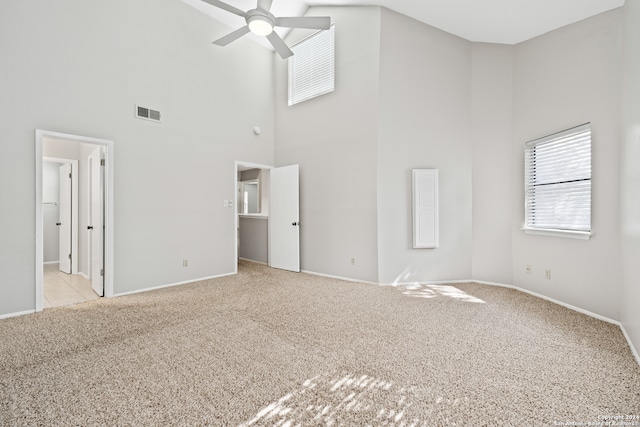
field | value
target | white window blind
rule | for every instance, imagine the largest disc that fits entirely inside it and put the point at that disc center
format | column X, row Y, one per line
column 311, row 68
column 558, row 181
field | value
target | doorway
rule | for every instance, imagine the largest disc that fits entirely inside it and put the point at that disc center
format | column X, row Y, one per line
column 252, row 212
column 267, row 215
column 62, row 283
column 83, row 269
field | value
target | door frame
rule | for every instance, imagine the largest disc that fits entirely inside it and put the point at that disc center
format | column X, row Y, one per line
column 235, row 211
column 40, row 135
column 74, row 207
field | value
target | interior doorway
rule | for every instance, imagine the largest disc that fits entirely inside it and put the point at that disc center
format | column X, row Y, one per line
column 62, row 283
column 81, row 269
column 267, row 215
column 252, row 212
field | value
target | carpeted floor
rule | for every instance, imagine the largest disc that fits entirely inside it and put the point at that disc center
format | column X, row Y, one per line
column 268, row 347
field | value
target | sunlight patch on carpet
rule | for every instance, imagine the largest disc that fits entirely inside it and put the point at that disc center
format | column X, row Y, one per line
column 420, row 290
column 358, row 399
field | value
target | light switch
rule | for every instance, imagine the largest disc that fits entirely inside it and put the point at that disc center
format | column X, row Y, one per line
column 226, row 203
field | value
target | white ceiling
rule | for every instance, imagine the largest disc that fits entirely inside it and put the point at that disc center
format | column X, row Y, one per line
column 491, row 21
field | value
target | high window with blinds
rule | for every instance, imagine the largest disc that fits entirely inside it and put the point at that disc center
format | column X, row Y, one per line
column 558, row 182
column 311, row 68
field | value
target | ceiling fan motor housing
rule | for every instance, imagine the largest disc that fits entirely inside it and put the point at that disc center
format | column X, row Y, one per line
column 260, row 22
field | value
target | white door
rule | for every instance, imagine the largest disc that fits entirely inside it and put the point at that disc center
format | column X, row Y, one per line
column 96, row 220
column 284, row 218
column 64, row 222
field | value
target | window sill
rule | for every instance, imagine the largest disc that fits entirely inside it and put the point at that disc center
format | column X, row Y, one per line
column 582, row 235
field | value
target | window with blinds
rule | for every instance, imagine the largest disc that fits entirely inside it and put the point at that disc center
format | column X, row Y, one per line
column 558, row 181
column 311, row 68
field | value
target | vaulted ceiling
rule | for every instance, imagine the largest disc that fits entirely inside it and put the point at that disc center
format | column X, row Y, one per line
column 491, row 21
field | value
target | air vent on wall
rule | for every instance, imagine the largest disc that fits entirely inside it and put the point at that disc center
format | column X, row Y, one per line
column 147, row 114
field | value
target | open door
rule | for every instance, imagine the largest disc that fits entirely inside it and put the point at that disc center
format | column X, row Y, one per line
column 284, row 218
column 96, row 221
column 64, row 221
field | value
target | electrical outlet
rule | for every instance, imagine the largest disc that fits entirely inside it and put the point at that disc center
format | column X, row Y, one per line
column 547, row 274
column 353, row 261
column 527, row 268
column 185, row 263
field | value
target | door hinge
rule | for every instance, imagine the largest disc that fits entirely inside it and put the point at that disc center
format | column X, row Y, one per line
column 101, row 162
column 69, row 256
column 69, row 175
column 102, row 271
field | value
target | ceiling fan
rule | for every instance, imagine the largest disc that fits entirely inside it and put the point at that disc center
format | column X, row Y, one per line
column 261, row 22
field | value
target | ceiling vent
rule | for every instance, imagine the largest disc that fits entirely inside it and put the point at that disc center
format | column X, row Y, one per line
column 147, row 114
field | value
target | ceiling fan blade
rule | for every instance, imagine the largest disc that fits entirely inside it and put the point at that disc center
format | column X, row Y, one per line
column 265, row 5
column 233, row 36
column 311, row 22
column 279, row 45
column 227, row 7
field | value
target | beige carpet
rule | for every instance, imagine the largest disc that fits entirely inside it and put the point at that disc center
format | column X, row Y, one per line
column 267, row 347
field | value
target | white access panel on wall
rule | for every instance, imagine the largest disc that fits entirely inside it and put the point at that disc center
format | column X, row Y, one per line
column 425, row 208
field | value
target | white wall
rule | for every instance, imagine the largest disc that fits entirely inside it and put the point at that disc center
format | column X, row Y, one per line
column 333, row 139
column 50, row 210
column 491, row 118
column 630, row 174
column 424, row 122
column 562, row 79
column 79, row 67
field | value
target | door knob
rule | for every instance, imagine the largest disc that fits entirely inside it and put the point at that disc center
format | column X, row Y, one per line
column 58, row 223
column 295, row 223
column 90, row 227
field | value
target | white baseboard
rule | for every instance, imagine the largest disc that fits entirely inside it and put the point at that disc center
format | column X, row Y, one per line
column 579, row 310
column 172, row 284
column 537, row 295
column 19, row 313
column 52, row 262
column 555, row 301
column 633, row 349
column 346, row 279
column 253, row 261
column 434, row 282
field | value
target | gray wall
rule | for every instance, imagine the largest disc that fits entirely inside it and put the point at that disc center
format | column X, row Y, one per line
column 333, row 139
column 630, row 173
column 79, row 67
column 253, row 243
column 493, row 181
column 562, row 79
column 424, row 122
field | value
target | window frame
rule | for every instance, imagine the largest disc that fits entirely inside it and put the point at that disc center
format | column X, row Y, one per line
column 550, row 139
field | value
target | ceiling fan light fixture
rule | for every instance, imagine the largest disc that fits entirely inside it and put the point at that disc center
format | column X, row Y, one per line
column 260, row 25
column 260, row 21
